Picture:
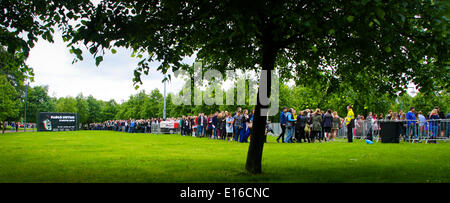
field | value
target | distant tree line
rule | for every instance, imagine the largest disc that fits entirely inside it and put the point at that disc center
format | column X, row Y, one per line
column 144, row 104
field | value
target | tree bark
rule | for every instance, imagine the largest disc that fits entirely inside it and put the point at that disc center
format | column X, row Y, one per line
column 255, row 150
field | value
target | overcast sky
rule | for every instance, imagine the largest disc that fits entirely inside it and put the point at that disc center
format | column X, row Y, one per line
column 112, row 79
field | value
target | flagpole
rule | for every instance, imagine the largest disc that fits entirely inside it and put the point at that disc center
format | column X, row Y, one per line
column 164, row 112
column 26, row 95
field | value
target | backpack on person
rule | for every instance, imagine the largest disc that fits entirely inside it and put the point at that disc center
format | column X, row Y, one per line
column 307, row 129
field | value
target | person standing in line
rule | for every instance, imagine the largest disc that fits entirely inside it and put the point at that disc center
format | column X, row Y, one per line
column 245, row 121
column 448, row 125
column 327, row 124
column 150, row 125
column 359, row 126
column 185, row 124
column 350, row 123
column 411, row 123
column 283, row 122
column 219, row 126
column 132, row 126
column 308, row 124
column 209, row 126
column 191, row 128
column 422, row 121
column 214, row 123
column 235, row 129
column 369, row 127
column 403, row 126
column 389, row 115
column 434, row 122
column 182, row 126
column 229, row 127
column 290, row 125
column 250, row 124
column 237, row 123
column 335, row 126
column 224, row 124
column 441, row 124
column 205, row 123
column 300, row 127
column 316, row 126
column 200, row 122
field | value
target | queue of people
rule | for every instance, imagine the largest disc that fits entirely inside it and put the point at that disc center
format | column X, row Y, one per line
column 323, row 126
column 237, row 126
column 224, row 125
column 129, row 126
column 304, row 126
column 308, row 125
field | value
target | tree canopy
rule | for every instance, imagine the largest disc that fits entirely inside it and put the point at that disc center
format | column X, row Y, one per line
column 8, row 103
column 389, row 43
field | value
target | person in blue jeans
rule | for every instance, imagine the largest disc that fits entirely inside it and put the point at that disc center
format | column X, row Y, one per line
column 237, row 124
column 283, row 122
column 246, row 131
column 215, row 125
column 434, row 124
column 290, row 125
column 448, row 125
column 132, row 126
column 411, row 124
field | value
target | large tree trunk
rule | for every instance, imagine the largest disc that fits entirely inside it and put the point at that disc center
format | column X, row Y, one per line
column 255, row 150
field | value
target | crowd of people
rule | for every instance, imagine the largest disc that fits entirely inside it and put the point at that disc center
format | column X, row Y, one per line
column 14, row 126
column 220, row 125
column 304, row 126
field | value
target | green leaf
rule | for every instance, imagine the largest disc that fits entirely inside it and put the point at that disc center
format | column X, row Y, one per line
column 388, row 49
column 350, row 19
column 113, row 51
column 331, row 31
column 380, row 13
column 92, row 50
column 98, row 60
column 376, row 21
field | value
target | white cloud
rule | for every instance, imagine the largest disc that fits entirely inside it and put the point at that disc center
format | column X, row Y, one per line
column 52, row 65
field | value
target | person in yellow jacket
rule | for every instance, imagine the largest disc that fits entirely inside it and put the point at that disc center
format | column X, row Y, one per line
column 349, row 123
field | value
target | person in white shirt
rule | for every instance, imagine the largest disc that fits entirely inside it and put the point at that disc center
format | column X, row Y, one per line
column 422, row 121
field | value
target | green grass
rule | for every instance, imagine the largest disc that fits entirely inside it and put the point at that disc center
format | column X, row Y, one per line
column 102, row 156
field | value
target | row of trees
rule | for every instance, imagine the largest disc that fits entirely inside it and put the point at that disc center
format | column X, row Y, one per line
column 150, row 105
column 367, row 45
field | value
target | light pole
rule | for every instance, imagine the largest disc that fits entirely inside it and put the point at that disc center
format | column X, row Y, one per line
column 164, row 112
column 26, row 96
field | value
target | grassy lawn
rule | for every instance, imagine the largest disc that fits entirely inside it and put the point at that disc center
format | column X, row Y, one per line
column 103, row 156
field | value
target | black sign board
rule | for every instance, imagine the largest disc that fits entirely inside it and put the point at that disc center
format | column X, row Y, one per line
column 49, row 121
column 390, row 131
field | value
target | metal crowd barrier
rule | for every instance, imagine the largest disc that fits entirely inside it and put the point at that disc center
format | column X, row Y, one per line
column 154, row 129
column 427, row 131
column 430, row 130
